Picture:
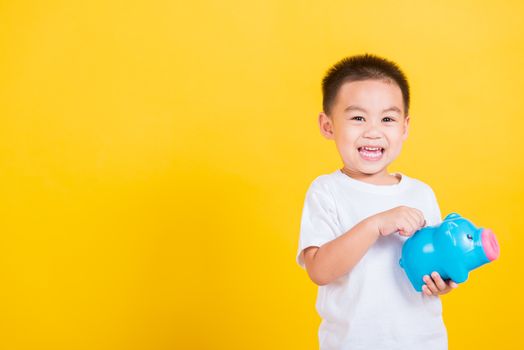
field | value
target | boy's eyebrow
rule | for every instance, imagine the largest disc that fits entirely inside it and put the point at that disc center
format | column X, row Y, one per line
column 357, row 108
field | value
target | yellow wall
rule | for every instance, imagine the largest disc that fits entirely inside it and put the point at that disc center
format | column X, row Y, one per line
column 154, row 157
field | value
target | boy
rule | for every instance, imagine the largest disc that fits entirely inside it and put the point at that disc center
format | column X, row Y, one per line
column 355, row 219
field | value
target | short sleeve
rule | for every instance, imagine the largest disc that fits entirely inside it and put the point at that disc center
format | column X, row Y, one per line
column 436, row 218
column 319, row 222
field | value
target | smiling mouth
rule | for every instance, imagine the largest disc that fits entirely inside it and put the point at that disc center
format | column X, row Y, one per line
column 371, row 153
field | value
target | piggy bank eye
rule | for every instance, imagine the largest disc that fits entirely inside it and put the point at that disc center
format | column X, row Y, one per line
column 470, row 237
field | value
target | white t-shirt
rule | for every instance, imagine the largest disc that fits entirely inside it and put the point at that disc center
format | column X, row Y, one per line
column 374, row 306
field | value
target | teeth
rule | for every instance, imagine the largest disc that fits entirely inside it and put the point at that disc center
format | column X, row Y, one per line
column 371, row 152
column 372, row 155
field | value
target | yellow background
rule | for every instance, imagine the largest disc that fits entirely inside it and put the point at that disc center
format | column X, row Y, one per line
column 154, row 157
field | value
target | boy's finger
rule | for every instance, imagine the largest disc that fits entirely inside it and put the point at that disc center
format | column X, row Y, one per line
column 404, row 231
column 421, row 214
column 419, row 218
column 413, row 223
column 431, row 285
column 438, row 281
column 426, row 290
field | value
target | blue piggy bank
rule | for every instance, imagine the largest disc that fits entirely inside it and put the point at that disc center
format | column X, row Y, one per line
column 452, row 249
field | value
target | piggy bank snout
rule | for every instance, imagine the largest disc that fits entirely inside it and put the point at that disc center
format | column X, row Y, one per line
column 490, row 244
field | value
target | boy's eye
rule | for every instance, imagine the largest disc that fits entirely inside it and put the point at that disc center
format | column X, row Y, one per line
column 361, row 118
column 390, row 119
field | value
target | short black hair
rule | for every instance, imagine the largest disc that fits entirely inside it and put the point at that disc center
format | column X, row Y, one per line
column 362, row 67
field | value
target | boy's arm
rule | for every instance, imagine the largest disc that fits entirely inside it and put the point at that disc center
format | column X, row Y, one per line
column 335, row 258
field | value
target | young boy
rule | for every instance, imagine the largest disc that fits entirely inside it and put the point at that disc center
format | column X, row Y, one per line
column 355, row 219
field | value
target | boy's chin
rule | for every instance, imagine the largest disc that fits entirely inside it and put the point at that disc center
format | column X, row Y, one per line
column 371, row 170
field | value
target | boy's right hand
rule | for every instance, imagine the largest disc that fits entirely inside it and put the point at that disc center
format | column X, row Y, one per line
column 403, row 219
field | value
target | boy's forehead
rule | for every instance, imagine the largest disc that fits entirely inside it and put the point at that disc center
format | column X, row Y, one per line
column 369, row 93
column 369, row 88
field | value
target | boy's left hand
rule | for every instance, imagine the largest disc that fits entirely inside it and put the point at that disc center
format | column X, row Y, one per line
column 435, row 285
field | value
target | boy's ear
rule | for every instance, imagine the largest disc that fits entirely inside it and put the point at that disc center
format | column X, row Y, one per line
column 406, row 128
column 326, row 126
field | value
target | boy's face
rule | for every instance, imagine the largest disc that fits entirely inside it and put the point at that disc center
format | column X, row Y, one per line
column 367, row 115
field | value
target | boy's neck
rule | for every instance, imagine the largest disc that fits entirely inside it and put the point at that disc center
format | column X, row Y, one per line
column 382, row 178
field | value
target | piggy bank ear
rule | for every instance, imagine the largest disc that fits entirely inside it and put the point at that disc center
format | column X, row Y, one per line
column 452, row 216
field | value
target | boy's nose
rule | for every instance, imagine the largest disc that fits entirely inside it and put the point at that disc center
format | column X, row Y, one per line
column 372, row 129
column 373, row 133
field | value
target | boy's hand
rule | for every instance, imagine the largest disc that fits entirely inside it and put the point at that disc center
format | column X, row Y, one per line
column 435, row 285
column 403, row 219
